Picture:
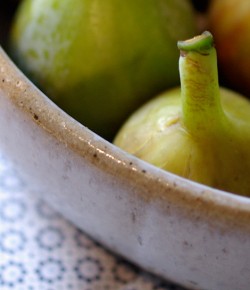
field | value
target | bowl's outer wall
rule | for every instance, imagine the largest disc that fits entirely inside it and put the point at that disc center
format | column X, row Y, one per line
column 192, row 240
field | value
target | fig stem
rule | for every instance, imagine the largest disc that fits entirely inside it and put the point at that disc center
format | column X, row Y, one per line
column 202, row 113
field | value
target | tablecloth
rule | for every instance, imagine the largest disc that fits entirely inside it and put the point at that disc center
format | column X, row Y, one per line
column 40, row 250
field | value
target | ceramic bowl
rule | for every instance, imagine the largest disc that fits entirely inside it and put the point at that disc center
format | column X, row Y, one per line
column 188, row 233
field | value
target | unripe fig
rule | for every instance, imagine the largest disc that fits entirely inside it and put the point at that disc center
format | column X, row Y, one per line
column 199, row 131
column 98, row 60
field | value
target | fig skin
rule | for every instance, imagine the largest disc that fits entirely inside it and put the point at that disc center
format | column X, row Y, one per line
column 99, row 60
column 229, row 22
column 200, row 131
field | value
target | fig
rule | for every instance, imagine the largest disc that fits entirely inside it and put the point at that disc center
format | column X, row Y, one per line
column 99, row 60
column 229, row 22
column 199, row 131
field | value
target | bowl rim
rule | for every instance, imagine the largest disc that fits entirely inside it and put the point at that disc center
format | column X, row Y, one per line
column 159, row 183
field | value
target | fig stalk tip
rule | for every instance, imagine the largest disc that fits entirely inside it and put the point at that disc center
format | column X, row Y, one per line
column 201, row 43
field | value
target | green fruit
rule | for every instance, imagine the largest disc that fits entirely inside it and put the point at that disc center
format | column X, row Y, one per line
column 199, row 131
column 100, row 59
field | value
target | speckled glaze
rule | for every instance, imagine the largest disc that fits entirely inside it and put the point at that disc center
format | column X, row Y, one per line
column 188, row 233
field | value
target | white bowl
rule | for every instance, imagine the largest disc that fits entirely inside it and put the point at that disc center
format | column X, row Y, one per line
column 188, row 233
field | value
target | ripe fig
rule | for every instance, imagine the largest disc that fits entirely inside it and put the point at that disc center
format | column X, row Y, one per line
column 198, row 131
column 229, row 22
column 98, row 60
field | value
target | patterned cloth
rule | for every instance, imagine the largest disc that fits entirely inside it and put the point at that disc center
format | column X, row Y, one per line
column 40, row 250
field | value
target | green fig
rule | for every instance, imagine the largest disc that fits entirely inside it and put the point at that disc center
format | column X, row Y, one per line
column 199, row 130
column 100, row 59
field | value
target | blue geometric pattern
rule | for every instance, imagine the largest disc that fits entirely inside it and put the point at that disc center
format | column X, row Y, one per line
column 50, row 270
column 12, row 274
column 40, row 250
column 50, row 238
column 12, row 241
